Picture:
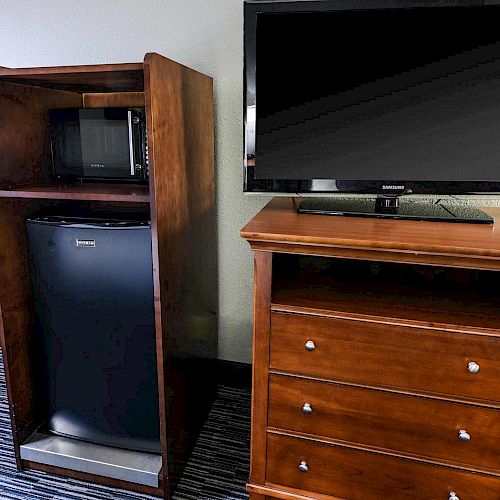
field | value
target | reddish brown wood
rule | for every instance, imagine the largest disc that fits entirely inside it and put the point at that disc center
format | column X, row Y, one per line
column 93, row 478
column 180, row 133
column 395, row 302
column 388, row 379
column 402, row 390
column 85, row 78
column 463, row 261
column 179, row 111
column 133, row 193
column 24, row 138
column 277, row 492
column 453, row 327
column 279, row 228
column 399, row 423
column 256, row 496
column 261, row 333
column 113, row 99
column 10, row 393
column 355, row 474
column 386, row 355
column 83, row 70
column 26, row 406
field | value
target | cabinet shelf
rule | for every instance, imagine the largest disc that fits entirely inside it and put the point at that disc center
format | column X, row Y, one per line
column 83, row 192
column 396, row 299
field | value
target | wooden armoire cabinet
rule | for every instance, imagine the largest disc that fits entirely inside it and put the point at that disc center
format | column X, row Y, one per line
column 179, row 202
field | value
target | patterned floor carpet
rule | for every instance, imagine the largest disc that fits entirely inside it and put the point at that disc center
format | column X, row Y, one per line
column 217, row 470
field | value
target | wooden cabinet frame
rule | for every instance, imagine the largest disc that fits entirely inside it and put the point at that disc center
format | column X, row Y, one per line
column 179, row 201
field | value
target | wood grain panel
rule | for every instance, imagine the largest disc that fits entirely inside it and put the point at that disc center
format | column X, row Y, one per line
column 256, row 496
column 425, row 258
column 260, row 363
column 453, row 308
column 386, row 355
column 24, row 132
column 132, row 193
column 359, row 475
column 278, row 227
column 113, row 99
column 398, row 423
column 84, row 78
column 274, row 492
column 27, row 409
column 181, row 151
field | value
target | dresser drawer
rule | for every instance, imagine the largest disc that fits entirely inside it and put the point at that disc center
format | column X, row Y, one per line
column 360, row 475
column 437, row 361
column 425, row 427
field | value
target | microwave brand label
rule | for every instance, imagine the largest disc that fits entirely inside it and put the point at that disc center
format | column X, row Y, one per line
column 96, row 165
column 392, row 186
column 85, row 243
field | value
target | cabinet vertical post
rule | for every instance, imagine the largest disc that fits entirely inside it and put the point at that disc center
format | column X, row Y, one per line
column 260, row 375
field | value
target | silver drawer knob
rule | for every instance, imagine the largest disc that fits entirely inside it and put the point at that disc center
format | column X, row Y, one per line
column 307, row 408
column 453, row 496
column 303, row 467
column 310, row 345
column 473, row 367
column 463, row 435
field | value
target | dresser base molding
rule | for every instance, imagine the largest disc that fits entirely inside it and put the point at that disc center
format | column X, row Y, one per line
column 259, row 492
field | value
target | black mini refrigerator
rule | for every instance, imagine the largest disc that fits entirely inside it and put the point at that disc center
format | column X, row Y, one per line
column 93, row 290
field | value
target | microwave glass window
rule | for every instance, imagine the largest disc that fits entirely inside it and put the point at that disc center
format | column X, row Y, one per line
column 104, row 142
column 71, row 137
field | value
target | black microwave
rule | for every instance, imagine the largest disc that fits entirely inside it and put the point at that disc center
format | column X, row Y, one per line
column 99, row 144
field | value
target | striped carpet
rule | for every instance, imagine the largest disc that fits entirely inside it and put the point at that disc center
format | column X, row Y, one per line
column 217, row 470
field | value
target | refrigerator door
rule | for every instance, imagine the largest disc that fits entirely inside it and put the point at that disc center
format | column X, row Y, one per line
column 93, row 291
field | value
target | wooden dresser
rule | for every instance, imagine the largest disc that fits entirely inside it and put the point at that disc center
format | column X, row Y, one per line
column 376, row 363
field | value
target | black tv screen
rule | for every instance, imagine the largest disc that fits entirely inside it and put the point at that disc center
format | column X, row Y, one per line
column 344, row 97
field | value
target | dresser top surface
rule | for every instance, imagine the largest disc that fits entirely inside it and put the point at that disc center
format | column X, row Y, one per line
column 279, row 223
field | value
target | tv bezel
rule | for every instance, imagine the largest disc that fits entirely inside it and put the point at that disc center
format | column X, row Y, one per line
column 252, row 8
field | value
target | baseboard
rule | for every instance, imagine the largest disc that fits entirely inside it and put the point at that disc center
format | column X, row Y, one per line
column 234, row 374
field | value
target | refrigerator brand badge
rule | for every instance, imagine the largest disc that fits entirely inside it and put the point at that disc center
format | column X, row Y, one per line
column 85, row 243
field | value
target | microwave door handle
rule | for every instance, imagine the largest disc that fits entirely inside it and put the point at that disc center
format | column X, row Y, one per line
column 131, row 144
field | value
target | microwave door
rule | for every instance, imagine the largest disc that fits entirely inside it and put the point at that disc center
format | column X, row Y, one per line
column 105, row 143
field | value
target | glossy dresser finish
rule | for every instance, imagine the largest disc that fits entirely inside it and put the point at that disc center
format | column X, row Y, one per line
column 391, row 356
column 360, row 394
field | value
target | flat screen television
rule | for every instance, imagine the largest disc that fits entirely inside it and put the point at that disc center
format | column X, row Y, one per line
column 372, row 96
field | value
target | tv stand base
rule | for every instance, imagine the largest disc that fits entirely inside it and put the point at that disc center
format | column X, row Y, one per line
column 394, row 208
